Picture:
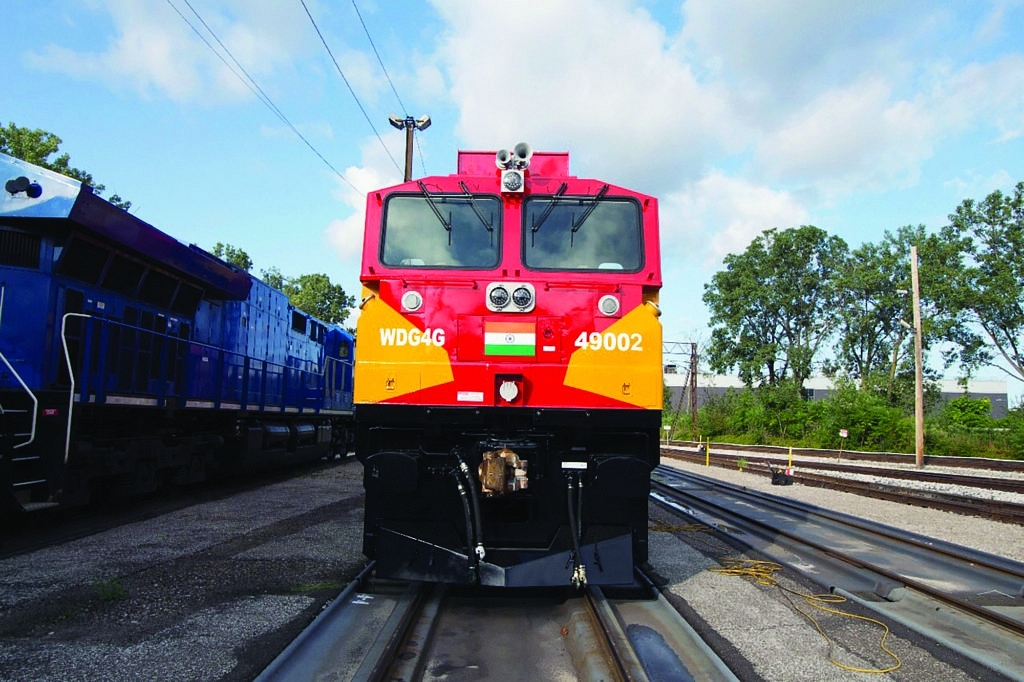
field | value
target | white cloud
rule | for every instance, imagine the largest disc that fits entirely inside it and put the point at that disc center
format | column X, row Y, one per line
column 978, row 187
column 345, row 235
column 599, row 82
column 989, row 93
column 850, row 138
column 155, row 53
column 777, row 56
column 719, row 215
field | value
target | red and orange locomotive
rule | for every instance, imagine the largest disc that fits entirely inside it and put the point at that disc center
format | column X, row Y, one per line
column 508, row 374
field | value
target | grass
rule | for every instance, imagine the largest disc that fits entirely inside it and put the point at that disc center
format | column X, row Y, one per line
column 110, row 590
column 307, row 588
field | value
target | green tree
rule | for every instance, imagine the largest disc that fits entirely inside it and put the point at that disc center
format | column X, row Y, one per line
column 314, row 294
column 233, row 255
column 870, row 336
column 875, row 339
column 981, row 291
column 273, row 277
column 774, row 305
column 37, row 146
column 967, row 413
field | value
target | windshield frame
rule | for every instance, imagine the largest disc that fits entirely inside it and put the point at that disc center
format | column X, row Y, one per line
column 584, row 207
column 435, row 218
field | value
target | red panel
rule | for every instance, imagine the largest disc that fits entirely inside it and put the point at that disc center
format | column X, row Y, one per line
column 566, row 302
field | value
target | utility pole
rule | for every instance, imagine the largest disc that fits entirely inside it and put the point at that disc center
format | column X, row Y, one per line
column 410, row 124
column 693, row 388
column 918, row 370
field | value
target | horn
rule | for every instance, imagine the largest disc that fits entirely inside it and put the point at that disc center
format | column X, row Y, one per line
column 503, row 159
column 523, row 153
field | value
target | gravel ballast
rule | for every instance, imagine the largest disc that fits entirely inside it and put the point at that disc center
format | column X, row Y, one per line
column 994, row 537
column 209, row 592
column 760, row 628
column 216, row 590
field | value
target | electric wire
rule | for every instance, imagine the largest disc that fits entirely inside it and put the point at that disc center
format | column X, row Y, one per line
column 349, row 86
column 763, row 573
column 251, row 83
column 380, row 61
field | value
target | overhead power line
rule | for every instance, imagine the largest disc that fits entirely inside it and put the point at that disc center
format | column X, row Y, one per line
column 250, row 82
column 383, row 68
column 348, row 85
column 379, row 60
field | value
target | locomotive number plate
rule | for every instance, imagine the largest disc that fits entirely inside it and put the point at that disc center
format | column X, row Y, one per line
column 610, row 341
column 390, row 336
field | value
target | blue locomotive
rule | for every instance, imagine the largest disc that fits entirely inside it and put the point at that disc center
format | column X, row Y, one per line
column 129, row 360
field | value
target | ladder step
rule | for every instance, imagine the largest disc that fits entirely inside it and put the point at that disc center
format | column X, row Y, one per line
column 37, row 506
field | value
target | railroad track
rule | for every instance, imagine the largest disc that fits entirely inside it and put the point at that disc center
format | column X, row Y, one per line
column 411, row 631
column 892, row 458
column 969, row 601
column 831, row 475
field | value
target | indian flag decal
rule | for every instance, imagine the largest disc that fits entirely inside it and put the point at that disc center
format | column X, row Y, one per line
column 510, row 338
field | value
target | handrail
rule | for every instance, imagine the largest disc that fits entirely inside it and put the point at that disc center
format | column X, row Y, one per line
column 35, row 401
column 266, row 364
column 71, row 373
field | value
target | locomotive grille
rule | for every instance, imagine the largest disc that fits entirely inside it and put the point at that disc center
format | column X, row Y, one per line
column 19, row 249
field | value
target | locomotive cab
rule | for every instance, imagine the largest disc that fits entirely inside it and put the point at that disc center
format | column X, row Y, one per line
column 508, row 379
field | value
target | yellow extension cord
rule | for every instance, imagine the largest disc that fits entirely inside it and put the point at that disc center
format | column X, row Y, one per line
column 763, row 573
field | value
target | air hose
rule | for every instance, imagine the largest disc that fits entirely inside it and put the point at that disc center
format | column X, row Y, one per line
column 474, row 493
column 579, row 572
column 469, row 523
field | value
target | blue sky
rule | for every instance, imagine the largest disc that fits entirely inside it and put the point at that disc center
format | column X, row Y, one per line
column 857, row 117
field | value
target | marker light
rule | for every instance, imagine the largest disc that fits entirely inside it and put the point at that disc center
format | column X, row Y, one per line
column 412, row 301
column 608, row 305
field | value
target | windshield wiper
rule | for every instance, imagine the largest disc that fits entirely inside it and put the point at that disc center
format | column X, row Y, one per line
column 476, row 209
column 590, row 209
column 446, row 224
column 537, row 222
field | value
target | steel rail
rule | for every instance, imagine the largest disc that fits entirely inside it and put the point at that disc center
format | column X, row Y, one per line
column 507, row 632
column 620, row 652
column 962, row 504
column 1007, row 512
column 342, row 642
column 1011, row 485
column 844, row 552
column 649, row 640
column 965, row 462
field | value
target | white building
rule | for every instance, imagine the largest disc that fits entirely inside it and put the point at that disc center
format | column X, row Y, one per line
column 818, row 388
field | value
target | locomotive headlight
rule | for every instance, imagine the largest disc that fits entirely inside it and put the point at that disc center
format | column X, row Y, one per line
column 522, row 297
column 608, row 305
column 412, row 301
column 512, row 181
column 497, row 297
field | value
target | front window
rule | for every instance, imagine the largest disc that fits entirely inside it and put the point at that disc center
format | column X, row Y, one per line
column 582, row 233
column 441, row 231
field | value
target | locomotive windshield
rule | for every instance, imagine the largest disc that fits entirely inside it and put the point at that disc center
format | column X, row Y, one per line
column 582, row 233
column 441, row 230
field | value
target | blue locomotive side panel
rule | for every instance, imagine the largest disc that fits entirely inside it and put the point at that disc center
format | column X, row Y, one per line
column 129, row 360
column 272, row 355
